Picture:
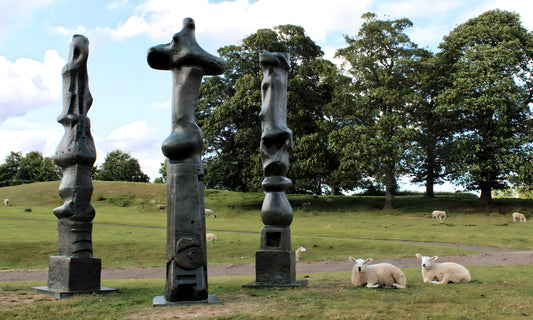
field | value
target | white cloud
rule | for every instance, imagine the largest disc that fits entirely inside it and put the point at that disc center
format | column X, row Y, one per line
column 27, row 84
column 133, row 130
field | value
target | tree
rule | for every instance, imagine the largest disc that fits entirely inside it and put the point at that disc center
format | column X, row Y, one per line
column 374, row 140
column 431, row 143
column 120, row 166
column 35, row 167
column 229, row 106
column 163, row 172
column 9, row 169
column 487, row 95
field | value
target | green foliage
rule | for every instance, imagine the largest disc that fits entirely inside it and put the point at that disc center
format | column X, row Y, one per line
column 229, row 106
column 487, row 94
column 383, row 62
column 120, row 166
column 31, row 168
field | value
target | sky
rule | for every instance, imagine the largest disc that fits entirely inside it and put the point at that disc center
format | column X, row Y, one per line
column 131, row 110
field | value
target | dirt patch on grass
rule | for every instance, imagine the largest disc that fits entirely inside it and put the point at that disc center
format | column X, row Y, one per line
column 14, row 299
column 183, row 312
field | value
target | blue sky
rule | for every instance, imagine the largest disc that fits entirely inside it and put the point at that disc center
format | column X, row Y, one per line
column 131, row 108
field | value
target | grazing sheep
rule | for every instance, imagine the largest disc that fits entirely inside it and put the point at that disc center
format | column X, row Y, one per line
column 383, row 275
column 161, row 206
column 442, row 273
column 329, row 200
column 437, row 214
column 209, row 212
column 306, row 204
column 210, row 237
column 6, row 202
column 298, row 252
column 516, row 215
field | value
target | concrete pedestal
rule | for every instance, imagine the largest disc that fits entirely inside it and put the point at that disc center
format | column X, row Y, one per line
column 68, row 276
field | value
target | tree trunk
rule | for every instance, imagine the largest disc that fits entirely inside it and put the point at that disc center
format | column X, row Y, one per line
column 429, row 187
column 389, row 197
column 485, row 198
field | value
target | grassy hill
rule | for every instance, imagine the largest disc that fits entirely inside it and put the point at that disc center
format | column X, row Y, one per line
column 130, row 231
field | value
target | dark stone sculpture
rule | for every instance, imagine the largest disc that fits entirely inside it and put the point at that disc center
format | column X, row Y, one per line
column 74, row 270
column 186, row 244
column 275, row 262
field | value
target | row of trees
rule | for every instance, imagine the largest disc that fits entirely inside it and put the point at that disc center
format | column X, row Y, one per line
column 393, row 109
column 118, row 166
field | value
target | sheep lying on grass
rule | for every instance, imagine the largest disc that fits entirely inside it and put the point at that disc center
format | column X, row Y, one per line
column 210, row 237
column 519, row 216
column 438, row 214
column 442, row 273
column 161, row 207
column 298, row 252
column 381, row 275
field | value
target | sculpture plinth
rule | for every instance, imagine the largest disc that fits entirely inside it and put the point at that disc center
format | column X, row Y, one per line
column 75, row 270
column 275, row 262
column 186, row 278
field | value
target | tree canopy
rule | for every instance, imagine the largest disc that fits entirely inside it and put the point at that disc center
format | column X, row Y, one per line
column 487, row 95
column 229, row 106
column 374, row 138
column 120, row 166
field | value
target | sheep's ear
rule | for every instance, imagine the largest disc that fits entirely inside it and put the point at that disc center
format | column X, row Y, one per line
column 367, row 261
column 352, row 259
column 434, row 258
column 419, row 256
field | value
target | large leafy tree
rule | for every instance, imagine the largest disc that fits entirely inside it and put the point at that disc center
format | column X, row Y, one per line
column 374, row 141
column 229, row 106
column 431, row 142
column 487, row 96
column 10, row 167
column 35, row 167
column 120, row 166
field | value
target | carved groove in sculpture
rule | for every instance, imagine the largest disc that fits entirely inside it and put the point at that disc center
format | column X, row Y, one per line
column 186, row 248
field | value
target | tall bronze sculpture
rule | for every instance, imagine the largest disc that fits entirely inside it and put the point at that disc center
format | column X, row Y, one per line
column 275, row 262
column 186, row 278
column 74, row 270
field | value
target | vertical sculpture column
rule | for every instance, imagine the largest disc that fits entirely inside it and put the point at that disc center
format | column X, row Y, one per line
column 74, row 270
column 186, row 279
column 275, row 262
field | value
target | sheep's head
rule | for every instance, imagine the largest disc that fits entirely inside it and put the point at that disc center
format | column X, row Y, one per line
column 427, row 262
column 302, row 249
column 360, row 264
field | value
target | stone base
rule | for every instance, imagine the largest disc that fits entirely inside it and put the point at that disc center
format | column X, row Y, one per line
column 60, row 294
column 160, row 301
column 69, row 274
column 295, row 284
column 275, row 267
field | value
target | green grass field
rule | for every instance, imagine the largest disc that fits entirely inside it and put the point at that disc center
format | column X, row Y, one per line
column 130, row 231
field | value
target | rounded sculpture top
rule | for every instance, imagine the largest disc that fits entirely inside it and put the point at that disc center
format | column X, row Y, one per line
column 79, row 52
column 184, row 51
column 279, row 59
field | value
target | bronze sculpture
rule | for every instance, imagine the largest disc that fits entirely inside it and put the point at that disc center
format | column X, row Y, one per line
column 74, row 270
column 186, row 245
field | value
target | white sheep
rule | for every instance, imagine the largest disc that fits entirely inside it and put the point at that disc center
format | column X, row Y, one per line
column 519, row 216
column 161, row 207
column 438, row 214
column 298, row 252
column 209, row 212
column 442, row 273
column 6, row 202
column 378, row 275
column 211, row 237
